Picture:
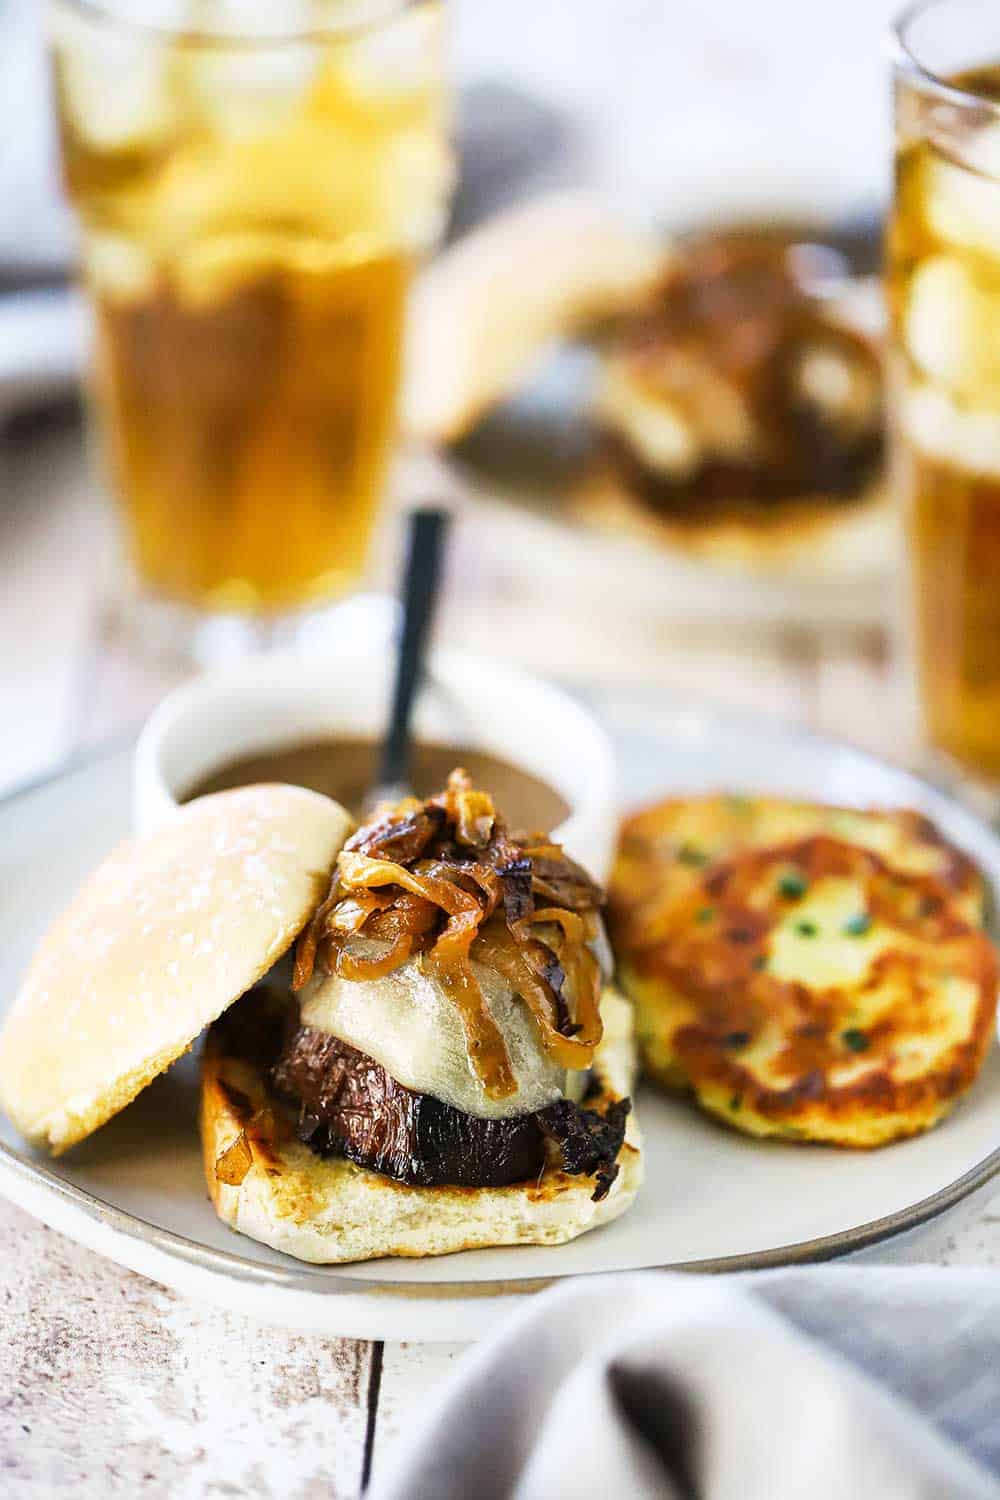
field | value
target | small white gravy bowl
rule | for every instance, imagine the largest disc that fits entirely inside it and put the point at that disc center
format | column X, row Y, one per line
column 283, row 699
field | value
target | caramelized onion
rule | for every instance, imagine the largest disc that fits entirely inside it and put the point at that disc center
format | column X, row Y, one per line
column 349, row 966
column 308, row 941
column 498, row 949
column 470, row 873
column 233, row 1164
column 472, row 812
column 582, row 970
column 351, row 913
column 444, row 878
column 570, row 922
column 484, row 1041
column 405, row 913
column 305, row 956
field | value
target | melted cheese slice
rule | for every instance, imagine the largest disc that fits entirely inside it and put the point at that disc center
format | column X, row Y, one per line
column 406, row 1022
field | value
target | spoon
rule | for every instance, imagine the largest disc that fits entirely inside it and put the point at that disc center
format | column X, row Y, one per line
column 428, row 529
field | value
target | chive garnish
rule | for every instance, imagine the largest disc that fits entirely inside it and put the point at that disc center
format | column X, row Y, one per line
column 705, row 914
column 688, row 854
column 859, row 925
column 793, row 885
column 806, row 929
column 736, row 1039
column 858, row 1041
column 759, row 961
column 735, row 1103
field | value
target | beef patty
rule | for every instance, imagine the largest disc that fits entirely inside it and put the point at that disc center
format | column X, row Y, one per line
column 348, row 1105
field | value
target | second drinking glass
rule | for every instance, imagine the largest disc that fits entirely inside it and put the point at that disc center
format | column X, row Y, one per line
column 944, row 296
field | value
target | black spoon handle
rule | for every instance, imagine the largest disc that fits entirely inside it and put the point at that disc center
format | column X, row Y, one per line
column 427, row 532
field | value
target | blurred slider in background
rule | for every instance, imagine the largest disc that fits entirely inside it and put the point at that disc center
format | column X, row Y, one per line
column 711, row 396
column 736, row 382
column 739, row 406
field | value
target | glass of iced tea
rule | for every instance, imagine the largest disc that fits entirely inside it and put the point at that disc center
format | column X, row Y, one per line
column 255, row 181
column 944, row 295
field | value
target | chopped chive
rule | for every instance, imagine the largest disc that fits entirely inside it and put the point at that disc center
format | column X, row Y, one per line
column 859, row 925
column 793, row 885
column 736, row 1039
column 858, row 1041
column 759, row 961
column 689, row 854
column 806, row 929
column 735, row 1103
column 705, row 914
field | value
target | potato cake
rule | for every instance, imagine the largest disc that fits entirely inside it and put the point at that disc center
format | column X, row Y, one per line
column 813, row 991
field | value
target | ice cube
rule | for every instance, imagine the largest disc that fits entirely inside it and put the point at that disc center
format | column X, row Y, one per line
column 952, row 328
column 116, row 102
column 967, row 439
column 982, row 151
column 246, row 93
column 417, row 171
column 402, row 55
column 216, row 268
column 963, row 206
column 300, row 185
column 118, row 267
column 939, row 332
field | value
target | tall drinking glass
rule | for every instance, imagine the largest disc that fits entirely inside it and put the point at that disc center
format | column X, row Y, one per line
column 944, row 293
column 255, row 181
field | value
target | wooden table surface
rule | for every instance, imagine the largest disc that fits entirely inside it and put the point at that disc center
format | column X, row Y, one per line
column 112, row 1385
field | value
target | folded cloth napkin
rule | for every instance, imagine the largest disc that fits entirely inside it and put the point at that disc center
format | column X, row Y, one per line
column 837, row 1383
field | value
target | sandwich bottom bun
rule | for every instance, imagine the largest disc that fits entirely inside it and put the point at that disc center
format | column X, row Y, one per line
column 328, row 1210
column 811, row 537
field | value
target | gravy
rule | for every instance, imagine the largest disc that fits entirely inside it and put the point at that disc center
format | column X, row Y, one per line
column 345, row 769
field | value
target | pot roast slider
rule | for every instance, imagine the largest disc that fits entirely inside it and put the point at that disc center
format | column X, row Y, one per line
column 450, row 1071
column 421, row 1092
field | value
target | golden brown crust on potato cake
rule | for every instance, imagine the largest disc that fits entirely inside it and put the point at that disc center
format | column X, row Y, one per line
column 812, row 991
column 664, row 849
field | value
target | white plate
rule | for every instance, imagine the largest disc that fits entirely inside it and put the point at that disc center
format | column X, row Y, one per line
column 712, row 1199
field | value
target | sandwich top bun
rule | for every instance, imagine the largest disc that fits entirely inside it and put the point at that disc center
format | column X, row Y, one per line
column 162, row 937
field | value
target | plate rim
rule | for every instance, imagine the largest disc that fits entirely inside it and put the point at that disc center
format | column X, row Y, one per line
column 415, row 1307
